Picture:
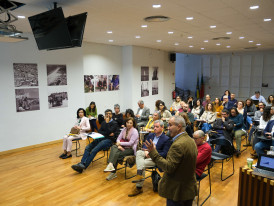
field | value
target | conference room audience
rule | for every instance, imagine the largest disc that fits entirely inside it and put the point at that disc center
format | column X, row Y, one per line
column 109, row 129
column 150, row 125
column 204, row 152
column 226, row 103
column 91, row 112
column 238, row 120
column 218, row 107
column 233, row 100
column 176, row 104
column 198, row 109
column 143, row 160
column 117, row 115
column 228, row 94
column 258, row 97
column 207, row 100
column 142, row 114
column 208, row 117
column 81, row 127
column 126, row 145
column 240, row 107
column 270, row 100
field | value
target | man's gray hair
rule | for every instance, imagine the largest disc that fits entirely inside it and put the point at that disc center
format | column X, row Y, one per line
column 178, row 120
column 141, row 102
column 158, row 114
column 116, row 105
column 160, row 122
column 225, row 96
column 200, row 133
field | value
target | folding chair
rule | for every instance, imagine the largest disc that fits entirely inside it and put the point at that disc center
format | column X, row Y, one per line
column 203, row 176
column 77, row 141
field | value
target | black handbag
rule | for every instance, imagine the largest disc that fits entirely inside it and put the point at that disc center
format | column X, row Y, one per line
column 155, row 180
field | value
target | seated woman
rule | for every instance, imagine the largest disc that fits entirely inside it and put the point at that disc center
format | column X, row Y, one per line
column 228, row 94
column 157, row 105
column 240, row 107
column 270, row 101
column 126, row 145
column 128, row 113
column 83, row 126
column 91, row 112
column 189, row 129
column 198, row 109
column 190, row 102
column 208, row 117
column 176, row 105
column 249, row 112
column 164, row 113
column 218, row 107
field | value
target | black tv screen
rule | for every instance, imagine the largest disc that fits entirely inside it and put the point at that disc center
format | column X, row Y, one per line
column 50, row 30
column 76, row 26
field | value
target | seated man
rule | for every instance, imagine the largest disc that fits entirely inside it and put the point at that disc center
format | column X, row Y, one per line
column 110, row 129
column 226, row 103
column 204, row 152
column 233, row 100
column 265, row 144
column 187, row 111
column 142, row 114
column 150, row 125
column 258, row 97
column 143, row 160
column 223, row 128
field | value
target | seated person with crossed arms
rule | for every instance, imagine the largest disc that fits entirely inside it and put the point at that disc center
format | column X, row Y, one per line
column 143, row 160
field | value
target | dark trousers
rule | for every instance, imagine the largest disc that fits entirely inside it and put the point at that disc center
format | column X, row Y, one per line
column 93, row 124
column 117, row 155
column 93, row 148
column 179, row 203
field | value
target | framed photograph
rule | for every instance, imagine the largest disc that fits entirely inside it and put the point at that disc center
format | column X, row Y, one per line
column 88, row 83
column 25, row 75
column 144, row 89
column 57, row 97
column 154, row 87
column 155, row 73
column 144, row 73
column 57, row 74
column 100, row 82
column 27, row 99
column 113, row 82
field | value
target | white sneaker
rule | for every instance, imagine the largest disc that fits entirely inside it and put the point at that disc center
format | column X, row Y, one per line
column 109, row 168
column 111, row 176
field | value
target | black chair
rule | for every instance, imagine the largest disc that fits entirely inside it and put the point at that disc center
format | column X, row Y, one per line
column 221, row 157
column 203, row 176
column 104, row 150
column 78, row 145
column 126, row 165
column 244, row 137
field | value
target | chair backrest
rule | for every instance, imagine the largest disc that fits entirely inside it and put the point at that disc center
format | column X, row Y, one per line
column 226, row 146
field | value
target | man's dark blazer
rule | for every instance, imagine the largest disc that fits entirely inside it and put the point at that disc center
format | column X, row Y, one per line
column 108, row 128
column 228, row 131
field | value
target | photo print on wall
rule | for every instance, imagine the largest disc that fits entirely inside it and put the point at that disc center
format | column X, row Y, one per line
column 144, row 73
column 27, row 99
column 155, row 73
column 113, row 82
column 144, row 89
column 88, row 83
column 25, row 75
column 57, row 97
column 57, row 74
column 154, row 87
column 100, row 82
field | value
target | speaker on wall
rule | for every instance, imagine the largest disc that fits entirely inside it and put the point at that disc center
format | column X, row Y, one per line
column 172, row 57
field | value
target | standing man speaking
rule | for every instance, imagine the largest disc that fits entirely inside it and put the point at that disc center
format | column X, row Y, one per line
column 178, row 184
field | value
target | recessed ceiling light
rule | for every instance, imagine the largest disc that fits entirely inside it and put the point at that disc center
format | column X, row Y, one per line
column 110, row 40
column 189, row 18
column 254, row 7
column 267, row 19
column 156, row 6
column 170, row 32
column 176, row 44
column 190, row 46
column 241, row 37
column 218, row 44
column 189, row 37
column 137, row 37
column 205, row 41
column 250, row 41
column 21, row 17
column 212, row 26
column 227, row 46
column 202, row 48
column 229, row 32
column 258, row 44
column 144, row 26
column 109, row 32
column 159, row 41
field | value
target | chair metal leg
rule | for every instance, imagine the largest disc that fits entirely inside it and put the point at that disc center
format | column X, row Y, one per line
column 209, row 190
column 230, row 174
column 245, row 143
column 100, row 157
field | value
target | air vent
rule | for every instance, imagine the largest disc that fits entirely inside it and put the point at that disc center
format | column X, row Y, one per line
column 156, row 18
column 253, row 47
column 221, row 38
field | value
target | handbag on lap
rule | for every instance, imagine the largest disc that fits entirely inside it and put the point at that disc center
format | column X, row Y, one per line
column 74, row 131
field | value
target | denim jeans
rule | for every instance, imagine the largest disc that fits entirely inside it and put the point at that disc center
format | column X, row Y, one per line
column 261, row 146
column 93, row 148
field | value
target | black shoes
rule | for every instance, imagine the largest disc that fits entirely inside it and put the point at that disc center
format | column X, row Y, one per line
column 65, row 157
column 62, row 155
column 78, row 167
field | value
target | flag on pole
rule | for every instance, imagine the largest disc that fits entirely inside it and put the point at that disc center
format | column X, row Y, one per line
column 197, row 93
column 202, row 89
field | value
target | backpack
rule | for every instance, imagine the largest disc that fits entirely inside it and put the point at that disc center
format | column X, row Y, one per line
column 101, row 118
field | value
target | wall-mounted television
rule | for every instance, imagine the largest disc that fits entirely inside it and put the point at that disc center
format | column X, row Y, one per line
column 52, row 30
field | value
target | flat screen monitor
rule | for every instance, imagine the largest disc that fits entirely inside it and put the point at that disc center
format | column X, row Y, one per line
column 50, row 30
column 76, row 26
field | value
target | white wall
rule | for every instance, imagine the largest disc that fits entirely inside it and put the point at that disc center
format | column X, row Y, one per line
column 241, row 73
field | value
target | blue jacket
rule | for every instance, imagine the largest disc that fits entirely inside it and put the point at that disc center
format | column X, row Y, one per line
column 238, row 120
column 269, row 127
column 229, row 105
column 162, row 145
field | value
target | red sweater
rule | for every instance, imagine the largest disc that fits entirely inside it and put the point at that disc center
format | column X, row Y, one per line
column 203, row 158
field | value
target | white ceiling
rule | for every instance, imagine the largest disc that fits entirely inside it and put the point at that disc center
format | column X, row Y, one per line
column 125, row 17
